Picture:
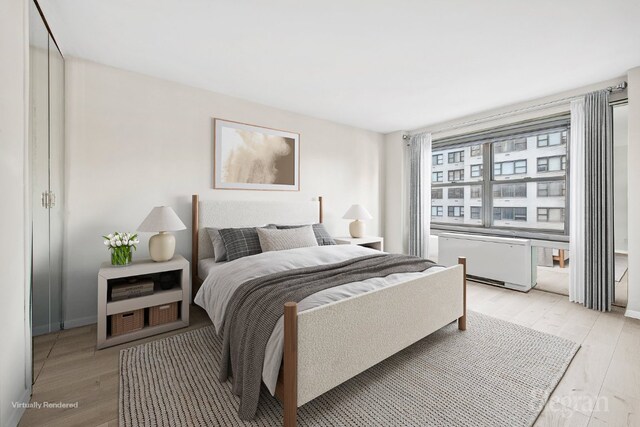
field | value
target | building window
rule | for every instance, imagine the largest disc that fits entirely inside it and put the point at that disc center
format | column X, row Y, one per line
column 476, row 191
column 509, row 191
column 510, row 214
column 436, row 210
column 552, row 139
column 551, row 189
column 456, row 193
column 519, row 144
column 527, row 165
column 436, row 176
column 552, row 164
column 513, row 167
column 455, row 211
column 456, row 156
column 550, row 214
column 436, row 193
column 437, row 159
column 456, row 175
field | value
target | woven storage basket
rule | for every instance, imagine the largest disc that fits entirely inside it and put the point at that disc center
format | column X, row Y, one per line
column 129, row 321
column 161, row 314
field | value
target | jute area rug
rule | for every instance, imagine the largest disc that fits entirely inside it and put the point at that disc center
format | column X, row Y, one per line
column 494, row 374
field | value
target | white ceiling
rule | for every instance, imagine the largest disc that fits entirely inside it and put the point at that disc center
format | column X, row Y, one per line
column 379, row 65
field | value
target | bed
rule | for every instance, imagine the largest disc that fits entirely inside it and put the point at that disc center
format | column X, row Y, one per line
column 317, row 346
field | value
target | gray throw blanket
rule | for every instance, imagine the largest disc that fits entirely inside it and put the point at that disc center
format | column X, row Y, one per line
column 256, row 306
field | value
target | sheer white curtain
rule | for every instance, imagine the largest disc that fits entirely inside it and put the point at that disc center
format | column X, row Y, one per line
column 419, row 194
column 577, row 203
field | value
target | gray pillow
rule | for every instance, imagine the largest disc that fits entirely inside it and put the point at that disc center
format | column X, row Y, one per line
column 240, row 242
column 219, row 251
column 280, row 240
column 322, row 235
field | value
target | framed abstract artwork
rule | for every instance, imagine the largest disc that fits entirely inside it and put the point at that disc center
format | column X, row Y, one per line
column 248, row 157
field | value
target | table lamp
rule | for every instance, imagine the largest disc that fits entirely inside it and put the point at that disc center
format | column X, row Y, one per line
column 358, row 213
column 162, row 219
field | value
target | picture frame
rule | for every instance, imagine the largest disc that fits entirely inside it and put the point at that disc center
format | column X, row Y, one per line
column 251, row 157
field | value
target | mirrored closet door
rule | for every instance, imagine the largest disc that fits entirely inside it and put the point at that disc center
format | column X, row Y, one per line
column 46, row 135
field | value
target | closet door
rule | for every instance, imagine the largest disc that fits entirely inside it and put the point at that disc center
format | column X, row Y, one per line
column 56, row 182
column 39, row 153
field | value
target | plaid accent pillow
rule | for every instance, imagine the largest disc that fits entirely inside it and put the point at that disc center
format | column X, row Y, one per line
column 240, row 242
column 322, row 235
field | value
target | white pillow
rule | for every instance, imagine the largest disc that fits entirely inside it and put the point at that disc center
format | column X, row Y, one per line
column 280, row 240
column 219, row 251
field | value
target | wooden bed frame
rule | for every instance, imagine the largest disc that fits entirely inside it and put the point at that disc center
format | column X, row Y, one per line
column 327, row 345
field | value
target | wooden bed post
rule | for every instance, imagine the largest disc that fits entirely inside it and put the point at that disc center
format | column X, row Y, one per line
column 194, row 246
column 290, row 380
column 321, row 214
column 462, row 321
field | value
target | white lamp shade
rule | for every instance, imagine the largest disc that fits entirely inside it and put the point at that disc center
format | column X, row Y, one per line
column 161, row 218
column 357, row 212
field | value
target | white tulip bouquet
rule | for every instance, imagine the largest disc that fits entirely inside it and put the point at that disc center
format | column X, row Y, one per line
column 121, row 246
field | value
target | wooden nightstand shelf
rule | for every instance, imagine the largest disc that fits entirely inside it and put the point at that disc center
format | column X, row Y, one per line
column 180, row 293
column 372, row 242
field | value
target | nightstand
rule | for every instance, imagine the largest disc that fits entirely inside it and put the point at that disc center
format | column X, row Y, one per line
column 376, row 243
column 166, row 309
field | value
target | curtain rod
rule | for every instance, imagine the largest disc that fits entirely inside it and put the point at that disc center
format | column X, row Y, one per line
column 617, row 88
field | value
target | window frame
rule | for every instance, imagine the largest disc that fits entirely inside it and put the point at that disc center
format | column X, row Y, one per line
column 453, row 208
column 453, row 173
column 439, row 211
column 548, row 125
column 459, row 154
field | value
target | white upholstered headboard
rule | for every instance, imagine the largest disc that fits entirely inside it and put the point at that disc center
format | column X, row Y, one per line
column 230, row 213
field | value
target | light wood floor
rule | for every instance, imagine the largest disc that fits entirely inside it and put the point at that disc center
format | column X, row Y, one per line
column 600, row 388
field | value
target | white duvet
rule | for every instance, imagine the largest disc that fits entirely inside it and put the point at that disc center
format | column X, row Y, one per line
column 224, row 279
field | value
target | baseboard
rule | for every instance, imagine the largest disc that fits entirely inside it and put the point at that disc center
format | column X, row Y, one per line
column 633, row 314
column 16, row 413
column 83, row 321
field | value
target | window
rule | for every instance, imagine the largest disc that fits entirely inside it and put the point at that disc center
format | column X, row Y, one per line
column 476, row 212
column 436, row 193
column 456, row 175
column 510, row 145
column 552, row 139
column 509, row 191
column 456, row 157
column 552, row 164
column 527, row 170
column 510, row 168
column 437, row 159
column 550, row 214
column 456, row 193
column 436, row 210
column 510, row 214
column 476, row 191
column 436, row 176
column 551, row 189
column 455, row 211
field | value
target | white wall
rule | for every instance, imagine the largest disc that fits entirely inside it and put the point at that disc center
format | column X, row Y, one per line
column 633, row 304
column 395, row 198
column 15, row 359
column 620, row 177
column 134, row 142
